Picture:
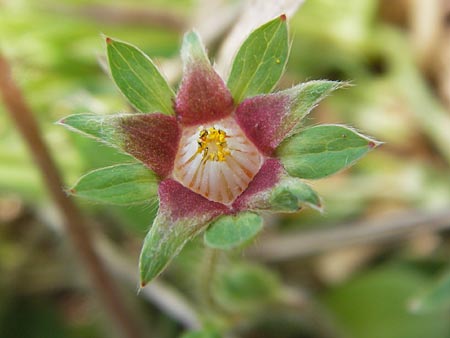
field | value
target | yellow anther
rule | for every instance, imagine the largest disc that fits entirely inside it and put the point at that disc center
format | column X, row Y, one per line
column 212, row 144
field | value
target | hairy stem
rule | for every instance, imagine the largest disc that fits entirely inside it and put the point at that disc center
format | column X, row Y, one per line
column 207, row 276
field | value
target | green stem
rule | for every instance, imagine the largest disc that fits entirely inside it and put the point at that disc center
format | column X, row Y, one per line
column 207, row 277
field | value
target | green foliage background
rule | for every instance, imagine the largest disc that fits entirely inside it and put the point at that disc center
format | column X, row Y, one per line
column 359, row 291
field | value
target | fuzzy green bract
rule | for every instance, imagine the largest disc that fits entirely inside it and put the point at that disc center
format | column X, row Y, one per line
column 270, row 125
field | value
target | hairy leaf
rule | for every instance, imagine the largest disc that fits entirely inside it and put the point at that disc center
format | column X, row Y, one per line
column 260, row 61
column 323, row 150
column 138, row 78
column 231, row 231
column 120, row 184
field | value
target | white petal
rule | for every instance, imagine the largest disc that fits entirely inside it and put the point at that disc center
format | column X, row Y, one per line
column 218, row 181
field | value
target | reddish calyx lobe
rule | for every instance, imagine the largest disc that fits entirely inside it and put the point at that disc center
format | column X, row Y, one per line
column 152, row 139
column 180, row 202
column 269, row 175
column 261, row 118
column 203, row 96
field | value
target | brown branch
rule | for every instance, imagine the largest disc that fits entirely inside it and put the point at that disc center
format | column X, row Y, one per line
column 381, row 230
column 23, row 117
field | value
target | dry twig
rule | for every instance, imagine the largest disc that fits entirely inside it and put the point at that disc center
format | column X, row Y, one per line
column 386, row 230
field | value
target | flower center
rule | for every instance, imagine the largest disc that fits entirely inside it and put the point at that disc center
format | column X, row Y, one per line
column 212, row 144
column 216, row 161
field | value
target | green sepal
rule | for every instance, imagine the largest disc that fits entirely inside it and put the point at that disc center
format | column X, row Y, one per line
column 164, row 241
column 323, row 150
column 120, row 184
column 138, row 78
column 230, row 231
column 260, row 61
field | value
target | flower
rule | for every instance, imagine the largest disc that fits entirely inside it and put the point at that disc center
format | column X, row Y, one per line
column 216, row 156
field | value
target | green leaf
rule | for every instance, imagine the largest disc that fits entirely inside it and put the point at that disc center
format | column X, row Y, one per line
column 119, row 184
column 260, row 61
column 164, row 241
column 138, row 78
column 323, row 150
column 290, row 194
column 230, row 231
column 245, row 287
column 435, row 297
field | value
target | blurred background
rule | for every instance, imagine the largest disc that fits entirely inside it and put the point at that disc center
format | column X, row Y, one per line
column 374, row 265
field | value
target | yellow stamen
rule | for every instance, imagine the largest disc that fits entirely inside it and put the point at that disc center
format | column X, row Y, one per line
column 212, row 144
